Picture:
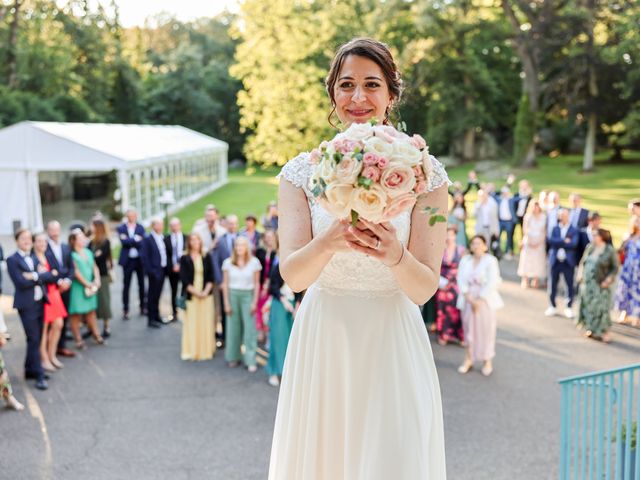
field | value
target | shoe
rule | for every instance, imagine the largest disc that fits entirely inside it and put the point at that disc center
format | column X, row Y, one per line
column 252, row 368
column 274, row 381
column 233, row 364
column 568, row 312
column 465, row 368
column 13, row 403
column 99, row 341
column 508, row 256
column 65, row 352
column 106, row 333
column 57, row 363
column 550, row 312
column 34, row 376
column 487, row 370
column 48, row 367
column 125, row 316
column 42, row 384
column 154, row 324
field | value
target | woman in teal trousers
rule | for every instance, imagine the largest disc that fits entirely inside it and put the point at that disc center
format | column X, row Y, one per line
column 241, row 287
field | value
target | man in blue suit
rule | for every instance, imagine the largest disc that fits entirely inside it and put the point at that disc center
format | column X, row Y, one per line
column 578, row 216
column 131, row 234
column 563, row 258
column 59, row 257
column 29, row 299
column 154, row 261
column 507, row 218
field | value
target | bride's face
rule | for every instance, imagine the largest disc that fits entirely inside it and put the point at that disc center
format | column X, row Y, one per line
column 361, row 92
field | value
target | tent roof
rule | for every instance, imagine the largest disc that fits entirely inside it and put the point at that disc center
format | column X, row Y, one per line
column 96, row 146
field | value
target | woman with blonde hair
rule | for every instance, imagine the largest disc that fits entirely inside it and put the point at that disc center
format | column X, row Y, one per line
column 241, row 289
column 196, row 275
column 533, row 263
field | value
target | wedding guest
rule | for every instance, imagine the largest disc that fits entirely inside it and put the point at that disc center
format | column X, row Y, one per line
column 458, row 218
column 5, row 384
column 131, row 234
column 84, row 289
column 154, row 260
column 251, row 233
column 229, row 238
column 578, row 216
column 506, row 219
column 563, row 260
column 627, row 298
column 486, row 213
column 522, row 199
column 241, row 289
column 29, row 298
column 175, row 244
column 478, row 300
column 553, row 206
column 101, row 248
column 533, row 258
column 266, row 255
column 59, row 257
column 209, row 229
column 587, row 233
column 281, row 309
column 597, row 273
column 448, row 321
column 472, row 182
column 196, row 273
column 270, row 219
column 54, row 309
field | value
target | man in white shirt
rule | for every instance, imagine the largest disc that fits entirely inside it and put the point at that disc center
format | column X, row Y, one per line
column 553, row 205
column 578, row 216
column 486, row 212
column 155, row 261
column 175, row 243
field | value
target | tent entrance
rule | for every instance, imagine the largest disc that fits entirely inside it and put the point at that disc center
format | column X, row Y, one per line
column 73, row 197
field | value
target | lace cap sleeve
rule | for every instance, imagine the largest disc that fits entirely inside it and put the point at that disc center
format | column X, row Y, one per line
column 439, row 176
column 297, row 171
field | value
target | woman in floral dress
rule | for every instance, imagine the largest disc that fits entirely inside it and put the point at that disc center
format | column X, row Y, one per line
column 628, row 292
column 448, row 320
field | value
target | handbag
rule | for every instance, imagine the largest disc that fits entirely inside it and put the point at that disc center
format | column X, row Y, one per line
column 90, row 291
column 181, row 302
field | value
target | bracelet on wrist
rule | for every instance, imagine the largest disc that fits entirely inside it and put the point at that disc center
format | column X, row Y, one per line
column 400, row 259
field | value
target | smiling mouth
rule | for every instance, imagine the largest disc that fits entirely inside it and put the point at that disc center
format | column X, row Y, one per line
column 360, row 112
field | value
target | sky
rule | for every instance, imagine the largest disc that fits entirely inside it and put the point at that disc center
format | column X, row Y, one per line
column 134, row 12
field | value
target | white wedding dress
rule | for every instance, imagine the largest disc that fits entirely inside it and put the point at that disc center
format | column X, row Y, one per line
column 360, row 398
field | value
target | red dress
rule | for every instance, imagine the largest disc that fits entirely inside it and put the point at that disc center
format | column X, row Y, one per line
column 55, row 308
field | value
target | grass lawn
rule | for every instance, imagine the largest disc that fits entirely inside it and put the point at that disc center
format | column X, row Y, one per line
column 607, row 190
column 245, row 193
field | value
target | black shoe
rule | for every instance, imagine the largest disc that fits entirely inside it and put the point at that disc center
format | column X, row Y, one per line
column 106, row 333
column 42, row 384
column 154, row 324
column 35, row 376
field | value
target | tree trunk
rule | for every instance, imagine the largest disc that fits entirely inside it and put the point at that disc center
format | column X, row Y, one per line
column 12, row 77
column 590, row 145
column 469, row 145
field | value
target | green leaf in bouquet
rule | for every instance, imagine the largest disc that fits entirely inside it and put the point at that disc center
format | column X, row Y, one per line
column 359, row 156
column 354, row 217
column 373, row 122
column 365, row 182
column 402, row 126
column 317, row 190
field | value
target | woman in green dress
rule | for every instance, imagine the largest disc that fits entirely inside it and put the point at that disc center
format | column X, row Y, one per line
column 597, row 272
column 83, row 298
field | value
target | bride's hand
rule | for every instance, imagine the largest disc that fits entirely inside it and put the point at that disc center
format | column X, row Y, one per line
column 377, row 240
column 337, row 236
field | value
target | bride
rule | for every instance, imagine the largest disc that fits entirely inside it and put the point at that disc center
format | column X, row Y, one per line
column 360, row 398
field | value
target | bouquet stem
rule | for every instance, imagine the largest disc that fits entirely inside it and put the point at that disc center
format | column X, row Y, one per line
column 354, row 217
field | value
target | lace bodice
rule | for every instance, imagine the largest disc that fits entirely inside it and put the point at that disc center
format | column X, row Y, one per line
column 353, row 273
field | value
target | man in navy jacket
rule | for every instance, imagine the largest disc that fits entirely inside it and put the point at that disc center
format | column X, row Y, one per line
column 154, row 261
column 563, row 258
column 59, row 257
column 29, row 299
column 131, row 234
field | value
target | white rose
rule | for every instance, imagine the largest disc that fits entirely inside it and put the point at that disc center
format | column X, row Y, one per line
column 327, row 171
column 370, row 203
column 348, row 170
column 357, row 132
column 338, row 199
column 406, row 153
column 427, row 164
column 378, row 146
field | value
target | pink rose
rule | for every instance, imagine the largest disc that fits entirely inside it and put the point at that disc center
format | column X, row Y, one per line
column 398, row 205
column 314, row 156
column 420, row 188
column 324, row 145
column 383, row 162
column 427, row 164
column 398, row 179
column 389, row 131
column 381, row 134
column 371, row 172
column 370, row 158
column 417, row 170
column 344, row 146
column 418, row 142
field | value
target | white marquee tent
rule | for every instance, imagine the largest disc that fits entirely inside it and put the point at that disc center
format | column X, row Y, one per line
column 148, row 160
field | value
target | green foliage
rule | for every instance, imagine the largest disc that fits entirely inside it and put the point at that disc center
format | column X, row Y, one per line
column 525, row 129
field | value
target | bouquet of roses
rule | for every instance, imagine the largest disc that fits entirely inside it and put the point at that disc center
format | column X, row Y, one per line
column 371, row 171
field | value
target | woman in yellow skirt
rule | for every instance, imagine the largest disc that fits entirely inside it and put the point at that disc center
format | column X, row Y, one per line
column 196, row 273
